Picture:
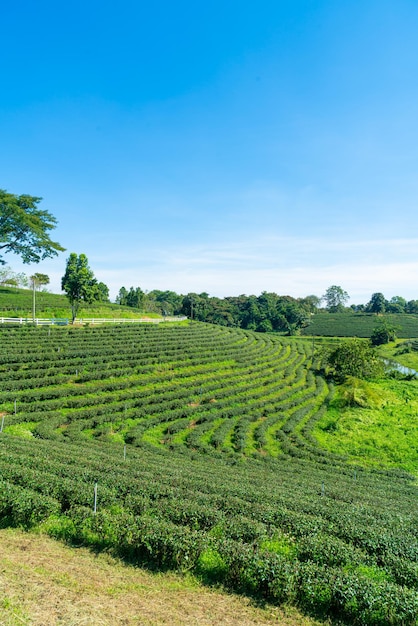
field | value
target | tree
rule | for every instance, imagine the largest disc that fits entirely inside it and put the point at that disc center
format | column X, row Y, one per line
column 79, row 282
column 166, row 302
column 102, row 292
column 121, row 297
column 9, row 278
column 412, row 306
column 397, row 304
column 355, row 357
column 384, row 333
column 310, row 303
column 24, row 228
column 37, row 280
column 377, row 303
column 335, row 298
column 293, row 313
column 135, row 298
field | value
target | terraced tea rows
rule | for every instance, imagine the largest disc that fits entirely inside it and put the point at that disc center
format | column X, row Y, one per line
column 196, row 441
column 166, row 386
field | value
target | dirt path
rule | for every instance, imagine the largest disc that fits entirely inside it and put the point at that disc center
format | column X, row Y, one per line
column 44, row 583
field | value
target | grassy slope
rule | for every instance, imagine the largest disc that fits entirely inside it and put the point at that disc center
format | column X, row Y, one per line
column 44, row 582
column 396, row 352
column 18, row 303
column 381, row 435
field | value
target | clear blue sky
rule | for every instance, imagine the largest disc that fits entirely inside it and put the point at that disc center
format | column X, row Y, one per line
column 224, row 146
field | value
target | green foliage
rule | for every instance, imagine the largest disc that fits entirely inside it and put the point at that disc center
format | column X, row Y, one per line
column 384, row 333
column 39, row 280
column 377, row 303
column 335, row 298
column 378, row 432
column 9, row 278
column 350, row 324
column 134, row 298
column 238, row 489
column 24, row 228
column 353, row 358
column 357, row 392
column 211, row 566
column 80, row 284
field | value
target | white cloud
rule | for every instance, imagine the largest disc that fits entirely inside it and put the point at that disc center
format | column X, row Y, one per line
column 286, row 265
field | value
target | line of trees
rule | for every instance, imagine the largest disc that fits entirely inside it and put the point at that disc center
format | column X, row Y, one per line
column 378, row 304
column 264, row 313
column 24, row 230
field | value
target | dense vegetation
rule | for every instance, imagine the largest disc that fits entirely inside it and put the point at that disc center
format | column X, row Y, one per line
column 200, row 442
column 350, row 324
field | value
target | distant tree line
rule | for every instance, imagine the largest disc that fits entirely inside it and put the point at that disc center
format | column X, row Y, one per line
column 378, row 304
column 24, row 231
column 264, row 313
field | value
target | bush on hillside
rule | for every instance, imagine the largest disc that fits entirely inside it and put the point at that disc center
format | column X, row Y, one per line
column 353, row 358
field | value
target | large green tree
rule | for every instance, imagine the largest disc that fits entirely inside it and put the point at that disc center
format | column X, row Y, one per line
column 79, row 283
column 377, row 303
column 24, row 228
column 335, row 298
column 355, row 357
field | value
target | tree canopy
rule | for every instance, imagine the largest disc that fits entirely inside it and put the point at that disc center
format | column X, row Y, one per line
column 335, row 298
column 39, row 280
column 377, row 303
column 355, row 357
column 384, row 333
column 79, row 283
column 24, row 228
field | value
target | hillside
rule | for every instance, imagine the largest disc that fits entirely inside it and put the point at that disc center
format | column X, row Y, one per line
column 19, row 303
column 193, row 448
column 349, row 324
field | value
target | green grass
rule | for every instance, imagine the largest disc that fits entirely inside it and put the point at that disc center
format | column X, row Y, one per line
column 384, row 437
column 401, row 352
column 18, row 303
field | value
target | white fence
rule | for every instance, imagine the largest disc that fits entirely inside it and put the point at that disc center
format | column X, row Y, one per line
column 93, row 320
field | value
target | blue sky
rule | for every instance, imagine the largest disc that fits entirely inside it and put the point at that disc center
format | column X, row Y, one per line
column 229, row 147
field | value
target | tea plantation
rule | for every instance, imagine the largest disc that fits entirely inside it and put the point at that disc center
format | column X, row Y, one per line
column 348, row 324
column 191, row 447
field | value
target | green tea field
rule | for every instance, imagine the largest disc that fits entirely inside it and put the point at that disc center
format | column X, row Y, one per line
column 215, row 452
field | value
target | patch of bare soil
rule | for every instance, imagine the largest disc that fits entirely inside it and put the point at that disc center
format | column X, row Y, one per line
column 45, row 583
